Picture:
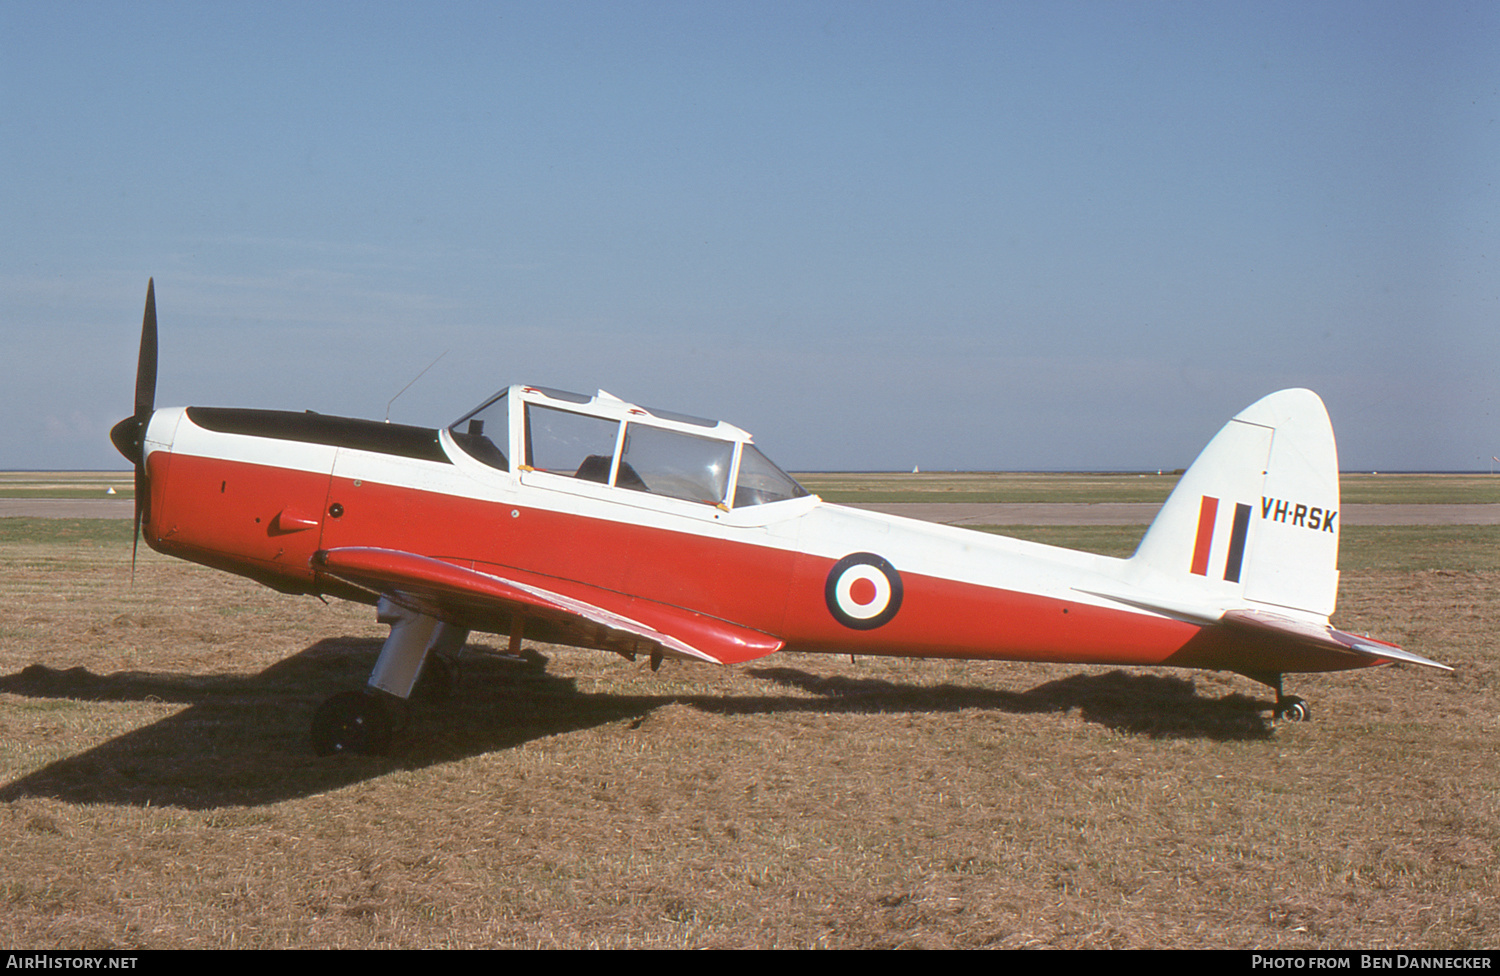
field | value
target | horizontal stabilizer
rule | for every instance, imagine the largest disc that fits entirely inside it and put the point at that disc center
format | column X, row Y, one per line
column 1321, row 635
column 1287, row 632
column 602, row 619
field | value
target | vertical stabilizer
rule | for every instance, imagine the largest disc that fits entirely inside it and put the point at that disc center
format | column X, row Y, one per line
column 1256, row 517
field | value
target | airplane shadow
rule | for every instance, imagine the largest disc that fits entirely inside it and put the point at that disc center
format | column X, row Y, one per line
column 1138, row 704
column 242, row 740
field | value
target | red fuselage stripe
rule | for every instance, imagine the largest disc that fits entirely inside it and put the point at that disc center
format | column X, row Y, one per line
column 224, row 514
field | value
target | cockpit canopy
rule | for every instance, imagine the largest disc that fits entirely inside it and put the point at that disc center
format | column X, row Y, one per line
column 603, row 439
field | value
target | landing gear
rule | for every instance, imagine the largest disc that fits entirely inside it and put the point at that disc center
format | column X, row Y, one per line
column 414, row 661
column 436, row 681
column 1289, row 708
column 353, row 721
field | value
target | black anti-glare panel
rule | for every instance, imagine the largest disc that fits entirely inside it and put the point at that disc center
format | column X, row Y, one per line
column 420, row 443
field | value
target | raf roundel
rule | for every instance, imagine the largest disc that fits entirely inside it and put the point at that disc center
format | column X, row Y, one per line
column 863, row 591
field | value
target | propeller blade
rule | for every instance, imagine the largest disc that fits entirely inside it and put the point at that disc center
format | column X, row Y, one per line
column 129, row 435
column 145, row 370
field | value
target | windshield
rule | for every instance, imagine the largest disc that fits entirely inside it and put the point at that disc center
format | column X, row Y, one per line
column 484, row 432
column 761, row 482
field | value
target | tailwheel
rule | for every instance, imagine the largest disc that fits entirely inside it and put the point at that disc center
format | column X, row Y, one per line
column 1292, row 709
column 352, row 721
column 1289, row 708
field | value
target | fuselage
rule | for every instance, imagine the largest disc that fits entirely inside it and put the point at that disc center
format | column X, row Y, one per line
column 259, row 493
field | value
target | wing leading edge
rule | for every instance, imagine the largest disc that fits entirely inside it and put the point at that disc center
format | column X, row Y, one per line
column 485, row 600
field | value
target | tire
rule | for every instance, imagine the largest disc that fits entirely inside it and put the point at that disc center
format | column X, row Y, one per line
column 352, row 722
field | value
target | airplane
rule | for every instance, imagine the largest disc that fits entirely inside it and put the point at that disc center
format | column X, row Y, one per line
column 589, row 521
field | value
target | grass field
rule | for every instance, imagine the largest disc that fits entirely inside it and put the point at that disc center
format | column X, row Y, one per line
column 156, row 789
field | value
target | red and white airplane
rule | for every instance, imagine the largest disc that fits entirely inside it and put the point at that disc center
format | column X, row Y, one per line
column 593, row 522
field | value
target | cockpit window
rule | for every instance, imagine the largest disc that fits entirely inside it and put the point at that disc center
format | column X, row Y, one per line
column 652, row 459
column 760, row 481
column 484, row 433
column 571, row 444
column 666, row 462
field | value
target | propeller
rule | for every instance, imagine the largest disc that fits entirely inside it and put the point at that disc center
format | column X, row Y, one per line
column 129, row 435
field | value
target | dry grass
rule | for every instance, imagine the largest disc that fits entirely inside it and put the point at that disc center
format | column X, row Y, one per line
column 156, row 789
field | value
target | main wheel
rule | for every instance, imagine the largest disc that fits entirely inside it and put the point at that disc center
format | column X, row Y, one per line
column 352, row 721
column 1293, row 709
column 435, row 683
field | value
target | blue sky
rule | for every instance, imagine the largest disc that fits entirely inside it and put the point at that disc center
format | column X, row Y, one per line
column 1063, row 235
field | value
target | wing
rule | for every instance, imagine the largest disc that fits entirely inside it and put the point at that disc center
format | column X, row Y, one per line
column 567, row 612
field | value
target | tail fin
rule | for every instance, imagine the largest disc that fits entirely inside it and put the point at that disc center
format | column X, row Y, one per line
column 1256, row 517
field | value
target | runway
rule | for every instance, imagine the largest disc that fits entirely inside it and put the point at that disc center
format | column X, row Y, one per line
column 949, row 513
